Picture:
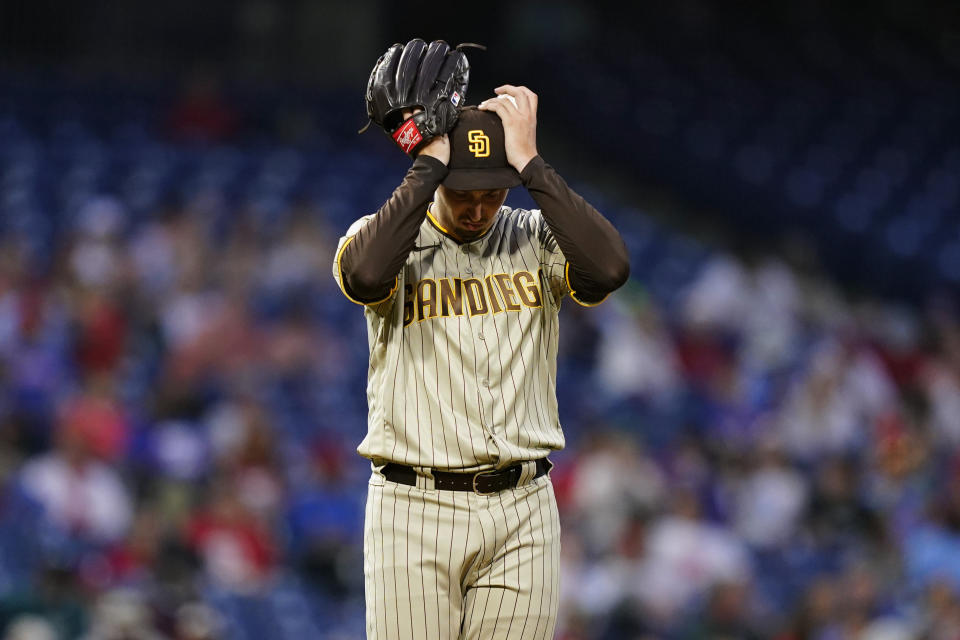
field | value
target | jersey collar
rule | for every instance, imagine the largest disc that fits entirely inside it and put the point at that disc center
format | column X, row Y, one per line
column 439, row 227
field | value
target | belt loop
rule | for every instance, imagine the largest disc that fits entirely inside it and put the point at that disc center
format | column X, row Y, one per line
column 528, row 469
column 425, row 478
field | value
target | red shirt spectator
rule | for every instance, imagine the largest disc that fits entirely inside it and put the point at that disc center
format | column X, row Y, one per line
column 237, row 550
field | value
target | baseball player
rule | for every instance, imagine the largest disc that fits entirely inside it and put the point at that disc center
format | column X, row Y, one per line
column 461, row 297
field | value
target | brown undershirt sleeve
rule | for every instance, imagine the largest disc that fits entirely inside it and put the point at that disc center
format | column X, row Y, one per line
column 371, row 260
column 597, row 257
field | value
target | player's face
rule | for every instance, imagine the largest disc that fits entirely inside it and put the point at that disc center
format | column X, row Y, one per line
column 467, row 215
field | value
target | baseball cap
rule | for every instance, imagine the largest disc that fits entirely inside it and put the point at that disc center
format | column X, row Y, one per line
column 478, row 159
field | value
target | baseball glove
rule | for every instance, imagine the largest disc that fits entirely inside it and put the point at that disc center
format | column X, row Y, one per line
column 431, row 77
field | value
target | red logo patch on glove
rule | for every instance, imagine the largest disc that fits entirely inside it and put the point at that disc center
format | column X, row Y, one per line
column 407, row 136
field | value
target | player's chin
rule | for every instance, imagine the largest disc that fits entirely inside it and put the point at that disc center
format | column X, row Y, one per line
column 470, row 231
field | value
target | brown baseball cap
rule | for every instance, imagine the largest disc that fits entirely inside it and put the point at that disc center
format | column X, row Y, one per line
column 478, row 159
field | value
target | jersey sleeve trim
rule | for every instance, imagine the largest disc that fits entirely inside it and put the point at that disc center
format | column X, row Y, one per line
column 573, row 294
column 343, row 287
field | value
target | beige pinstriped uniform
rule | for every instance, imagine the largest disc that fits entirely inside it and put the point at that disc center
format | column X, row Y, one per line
column 462, row 376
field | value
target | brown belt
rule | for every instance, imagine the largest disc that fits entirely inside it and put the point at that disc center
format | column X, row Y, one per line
column 481, row 482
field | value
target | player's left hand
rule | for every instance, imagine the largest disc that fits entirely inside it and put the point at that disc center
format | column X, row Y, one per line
column 519, row 117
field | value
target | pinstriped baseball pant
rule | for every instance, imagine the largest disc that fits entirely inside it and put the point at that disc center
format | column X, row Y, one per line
column 454, row 565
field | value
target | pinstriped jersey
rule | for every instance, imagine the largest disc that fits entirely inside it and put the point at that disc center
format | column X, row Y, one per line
column 463, row 351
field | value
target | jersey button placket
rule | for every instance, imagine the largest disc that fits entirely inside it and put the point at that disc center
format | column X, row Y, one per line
column 468, row 269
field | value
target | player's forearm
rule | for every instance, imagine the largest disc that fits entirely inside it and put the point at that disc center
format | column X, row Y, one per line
column 598, row 258
column 375, row 255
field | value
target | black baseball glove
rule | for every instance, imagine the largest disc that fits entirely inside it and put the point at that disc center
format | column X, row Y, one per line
column 432, row 77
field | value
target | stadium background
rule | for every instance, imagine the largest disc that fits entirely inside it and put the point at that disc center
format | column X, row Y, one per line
column 762, row 425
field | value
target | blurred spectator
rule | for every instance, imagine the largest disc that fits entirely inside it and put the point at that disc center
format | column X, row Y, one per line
column 720, row 297
column 818, row 417
column 131, row 561
column 941, row 386
column 101, row 333
column 238, row 553
column 80, row 494
column 932, row 548
column 96, row 418
column 887, row 629
column 212, row 335
column 939, row 617
column 636, row 354
column 197, row 621
column 606, row 589
column 160, row 249
column 96, row 258
column 772, row 328
column 686, row 556
column 299, row 253
column 180, row 451
column 324, row 515
column 770, row 499
column 707, row 358
column 901, row 480
column 837, row 514
column 38, row 359
column 864, row 608
column 122, row 614
column 245, row 452
column 815, row 617
column 612, row 480
column 30, row 627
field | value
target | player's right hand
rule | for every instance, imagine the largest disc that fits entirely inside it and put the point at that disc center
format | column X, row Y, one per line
column 519, row 117
column 438, row 148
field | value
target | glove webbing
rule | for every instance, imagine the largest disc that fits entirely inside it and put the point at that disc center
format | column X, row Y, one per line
column 462, row 45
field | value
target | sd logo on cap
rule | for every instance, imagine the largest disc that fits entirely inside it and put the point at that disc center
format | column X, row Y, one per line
column 478, row 159
column 479, row 143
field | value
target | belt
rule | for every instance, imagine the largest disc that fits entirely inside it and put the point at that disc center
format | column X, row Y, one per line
column 482, row 482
